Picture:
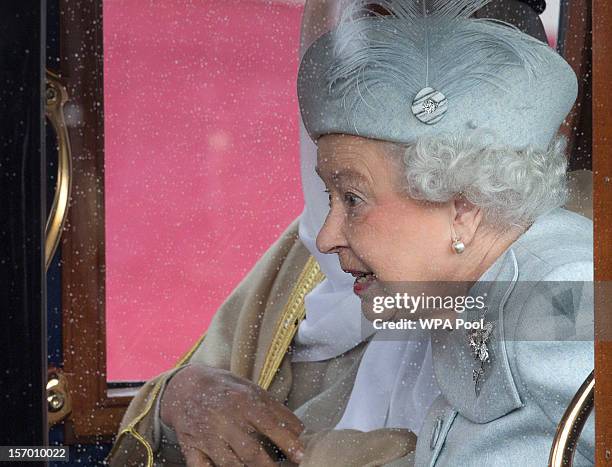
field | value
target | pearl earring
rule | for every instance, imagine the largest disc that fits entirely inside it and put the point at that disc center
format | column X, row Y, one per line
column 458, row 246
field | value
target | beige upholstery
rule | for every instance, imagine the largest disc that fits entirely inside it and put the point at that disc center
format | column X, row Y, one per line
column 581, row 192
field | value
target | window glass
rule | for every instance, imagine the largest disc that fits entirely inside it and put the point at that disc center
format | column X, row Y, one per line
column 201, row 164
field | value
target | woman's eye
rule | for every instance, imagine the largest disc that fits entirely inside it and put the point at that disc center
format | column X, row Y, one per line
column 352, row 200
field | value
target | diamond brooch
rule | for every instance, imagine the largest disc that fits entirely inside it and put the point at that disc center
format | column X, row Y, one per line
column 478, row 340
column 429, row 106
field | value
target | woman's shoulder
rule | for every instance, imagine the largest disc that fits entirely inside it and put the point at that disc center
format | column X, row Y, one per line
column 558, row 246
column 553, row 298
column 549, row 317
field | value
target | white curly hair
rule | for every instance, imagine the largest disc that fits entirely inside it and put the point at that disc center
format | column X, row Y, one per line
column 512, row 187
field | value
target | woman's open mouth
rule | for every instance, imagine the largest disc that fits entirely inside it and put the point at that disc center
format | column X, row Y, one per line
column 363, row 280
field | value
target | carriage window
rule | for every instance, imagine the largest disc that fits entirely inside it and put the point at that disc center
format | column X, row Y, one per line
column 184, row 126
column 201, row 164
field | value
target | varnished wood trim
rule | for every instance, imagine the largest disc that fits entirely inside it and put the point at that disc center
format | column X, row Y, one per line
column 602, row 211
column 83, row 264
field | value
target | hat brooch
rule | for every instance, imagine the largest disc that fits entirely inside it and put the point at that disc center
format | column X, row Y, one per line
column 429, row 106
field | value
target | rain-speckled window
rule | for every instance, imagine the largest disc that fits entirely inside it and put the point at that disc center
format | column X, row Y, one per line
column 201, row 164
column 185, row 132
column 183, row 125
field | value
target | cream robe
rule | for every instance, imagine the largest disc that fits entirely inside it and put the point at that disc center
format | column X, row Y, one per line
column 249, row 336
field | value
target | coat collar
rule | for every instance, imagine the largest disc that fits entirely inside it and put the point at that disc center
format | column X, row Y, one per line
column 454, row 362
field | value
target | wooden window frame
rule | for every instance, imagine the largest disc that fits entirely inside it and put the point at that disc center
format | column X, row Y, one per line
column 96, row 409
column 602, row 216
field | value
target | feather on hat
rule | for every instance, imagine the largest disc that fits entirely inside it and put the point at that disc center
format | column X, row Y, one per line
column 425, row 67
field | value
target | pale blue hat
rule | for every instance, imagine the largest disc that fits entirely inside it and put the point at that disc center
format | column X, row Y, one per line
column 427, row 68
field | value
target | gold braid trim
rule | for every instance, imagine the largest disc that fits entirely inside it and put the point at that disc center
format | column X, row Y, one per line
column 131, row 428
column 191, row 351
column 287, row 325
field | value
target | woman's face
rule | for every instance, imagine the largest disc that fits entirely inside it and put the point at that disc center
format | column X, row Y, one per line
column 378, row 232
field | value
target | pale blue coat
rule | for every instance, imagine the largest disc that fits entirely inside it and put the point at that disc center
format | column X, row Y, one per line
column 541, row 351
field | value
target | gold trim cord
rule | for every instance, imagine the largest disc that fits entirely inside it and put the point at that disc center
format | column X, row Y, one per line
column 287, row 325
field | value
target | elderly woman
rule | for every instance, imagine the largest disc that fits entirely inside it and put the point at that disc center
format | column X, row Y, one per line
column 436, row 137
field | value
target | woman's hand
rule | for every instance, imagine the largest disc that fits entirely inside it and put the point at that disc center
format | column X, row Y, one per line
column 219, row 419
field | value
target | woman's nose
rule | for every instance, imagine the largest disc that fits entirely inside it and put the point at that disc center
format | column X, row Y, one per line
column 330, row 237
